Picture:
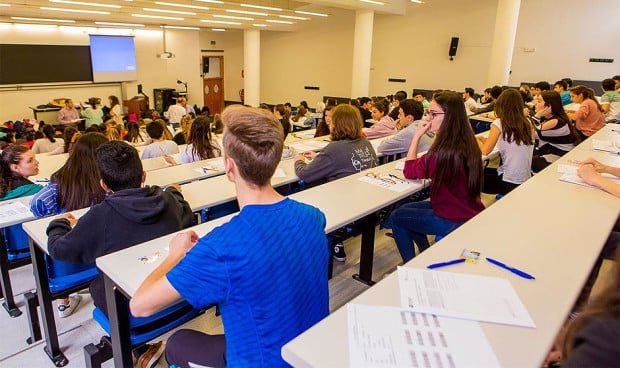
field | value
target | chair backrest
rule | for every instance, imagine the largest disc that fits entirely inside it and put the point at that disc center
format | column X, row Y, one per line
column 64, row 276
column 16, row 243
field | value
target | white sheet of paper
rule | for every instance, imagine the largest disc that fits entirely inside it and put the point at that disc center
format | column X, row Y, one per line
column 396, row 337
column 567, row 169
column 480, row 298
column 575, row 179
column 392, row 184
column 213, row 166
column 400, row 166
column 602, row 145
column 279, row 173
column 14, row 211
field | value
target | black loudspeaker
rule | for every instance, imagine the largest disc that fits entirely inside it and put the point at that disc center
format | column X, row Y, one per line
column 454, row 44
column 163, row 98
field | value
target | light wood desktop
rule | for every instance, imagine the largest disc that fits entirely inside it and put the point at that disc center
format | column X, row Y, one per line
column 550, row 229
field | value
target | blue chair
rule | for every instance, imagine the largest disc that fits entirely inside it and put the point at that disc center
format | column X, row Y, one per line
column 63, row 279
column 14, row 253
column 142, row 330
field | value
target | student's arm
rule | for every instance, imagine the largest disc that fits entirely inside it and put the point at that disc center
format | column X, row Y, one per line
column 395, row 144
column 421, row 129
column 605, row 108
column 45, row 202
column 602, row 168
column 487, row 144
column 582, row 112
column 319, row 168
column 588, row 173
column 187, row 216
column 156, row 292
column 549, row 124
column 71, row 241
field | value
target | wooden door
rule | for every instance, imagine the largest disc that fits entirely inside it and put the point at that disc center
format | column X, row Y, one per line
column 213, row 84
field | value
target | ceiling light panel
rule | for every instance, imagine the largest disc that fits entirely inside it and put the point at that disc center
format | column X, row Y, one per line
column 220, row 22
column 86, row 4
column 198, row 7
column 260, row 7
column 156, row 17
column 311, row 13
column 119, row 24
column 246, row 12
column 168, row 11
column 75, row 10
column 44, row 20
column 231, row 17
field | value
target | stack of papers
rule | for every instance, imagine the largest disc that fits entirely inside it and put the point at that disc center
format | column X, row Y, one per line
column 569, row 175
column 14, row 212
column 387, row 181
column 609, row 146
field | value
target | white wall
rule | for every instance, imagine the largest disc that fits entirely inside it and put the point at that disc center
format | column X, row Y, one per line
column 152, row 71
column 232, row 43
column 415, row 46
column 566, row 34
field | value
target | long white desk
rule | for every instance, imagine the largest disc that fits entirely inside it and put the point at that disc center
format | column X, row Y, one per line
column 551, row 229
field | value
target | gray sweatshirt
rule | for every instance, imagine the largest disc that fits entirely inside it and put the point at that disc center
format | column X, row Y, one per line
column 338, row 159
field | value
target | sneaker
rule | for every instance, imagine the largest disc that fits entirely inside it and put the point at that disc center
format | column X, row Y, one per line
column 65, row 310
column 151, row 355
column 338, row 253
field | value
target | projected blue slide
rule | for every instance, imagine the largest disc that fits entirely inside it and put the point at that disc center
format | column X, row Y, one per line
column 113, row 58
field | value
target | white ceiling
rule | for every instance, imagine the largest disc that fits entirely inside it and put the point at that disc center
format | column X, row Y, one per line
column 32, row 9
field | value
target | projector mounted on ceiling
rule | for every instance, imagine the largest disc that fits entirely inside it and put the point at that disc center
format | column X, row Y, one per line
column 165, row 55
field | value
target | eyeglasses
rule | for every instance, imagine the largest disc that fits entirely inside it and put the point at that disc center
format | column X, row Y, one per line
column 432, row 114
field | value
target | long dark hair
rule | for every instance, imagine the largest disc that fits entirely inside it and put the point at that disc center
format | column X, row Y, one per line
column 515, row 126
column 133, row 133
column 200, row 139
column 113, row 101
column 554, row 100
column 67, row 136
column 78, row 179
column 455, row 146
column 48, row 131
column 10, row 155
column 587, row 93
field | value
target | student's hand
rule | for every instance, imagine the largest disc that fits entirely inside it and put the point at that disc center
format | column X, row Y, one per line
column 472, row 107
column 299, row 157
column 75, row 137
column 526, row 112
column 544, row 112
column 422, row 128
column 598, row 167
column 481, row 140
column 69, row 217
column 169, row 159
column 310, row 155
column 182, row 243
column 175, row 186
column 587, row 173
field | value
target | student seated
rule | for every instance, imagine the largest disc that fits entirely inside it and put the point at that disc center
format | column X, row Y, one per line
column 421, row 97
column 411, row 112
column 589, row 117
column 347, row 153
column 74, row 186
column 556, row 134
column 490, row 103
column 186, row 125
column 200, row 146
column 266, row 269
column 468, row 100
column 562, row 88
column 16, row 165
column 398, row 98
column 160, row 146
column 454, row 165
column 610, row 101
column 514, row 135
column 49, row 143
column 385, row 125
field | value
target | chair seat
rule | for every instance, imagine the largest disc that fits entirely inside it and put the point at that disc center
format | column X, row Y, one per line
column 144, row 329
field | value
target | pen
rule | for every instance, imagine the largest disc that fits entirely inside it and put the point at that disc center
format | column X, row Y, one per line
column 42, row 180
column 397, row 178
column 442, row 264
column 514, row 270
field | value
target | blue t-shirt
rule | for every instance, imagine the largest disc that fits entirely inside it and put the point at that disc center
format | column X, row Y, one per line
column 267, row 271
column 565, row 96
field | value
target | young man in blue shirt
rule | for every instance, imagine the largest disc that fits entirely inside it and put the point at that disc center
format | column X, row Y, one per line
column 266, row 268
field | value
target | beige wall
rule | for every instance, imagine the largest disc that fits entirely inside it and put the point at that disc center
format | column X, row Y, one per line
column 566, row 34
column 232, row 44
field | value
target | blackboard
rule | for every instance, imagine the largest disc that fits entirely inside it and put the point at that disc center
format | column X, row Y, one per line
column 44, row 64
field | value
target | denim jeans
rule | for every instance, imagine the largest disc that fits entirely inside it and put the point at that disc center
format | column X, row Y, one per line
column 412, row 222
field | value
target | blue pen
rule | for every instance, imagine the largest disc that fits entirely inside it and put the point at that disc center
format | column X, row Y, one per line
column 397, row 178
column 516, row 271
column 442, row 264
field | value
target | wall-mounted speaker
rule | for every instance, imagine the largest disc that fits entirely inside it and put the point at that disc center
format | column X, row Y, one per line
column 454, row 45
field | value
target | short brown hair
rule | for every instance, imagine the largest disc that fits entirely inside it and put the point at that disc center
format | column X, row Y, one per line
column 254, row 139
column 346, row 122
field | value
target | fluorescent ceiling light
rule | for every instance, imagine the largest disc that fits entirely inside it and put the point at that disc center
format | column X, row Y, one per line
column 292, row 17
column 218, row 29
column 5, row 4
column 119, row 24
column 156, row 17
column 211, row 1
column 35, row 26
column 231, row 17
column 246, row 12
column 417, row 1
column 75, row 10
column 279, row 21
column 220, row 22
column 85, row 3
column 181, row 27
column 182, row 5
column 260, row 7
column 311, row 13
column 44, row 20
column 168, row 11
column 373, row 2
column 259, row 25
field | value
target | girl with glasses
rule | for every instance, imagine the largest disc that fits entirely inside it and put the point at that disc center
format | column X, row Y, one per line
column 454, row 165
